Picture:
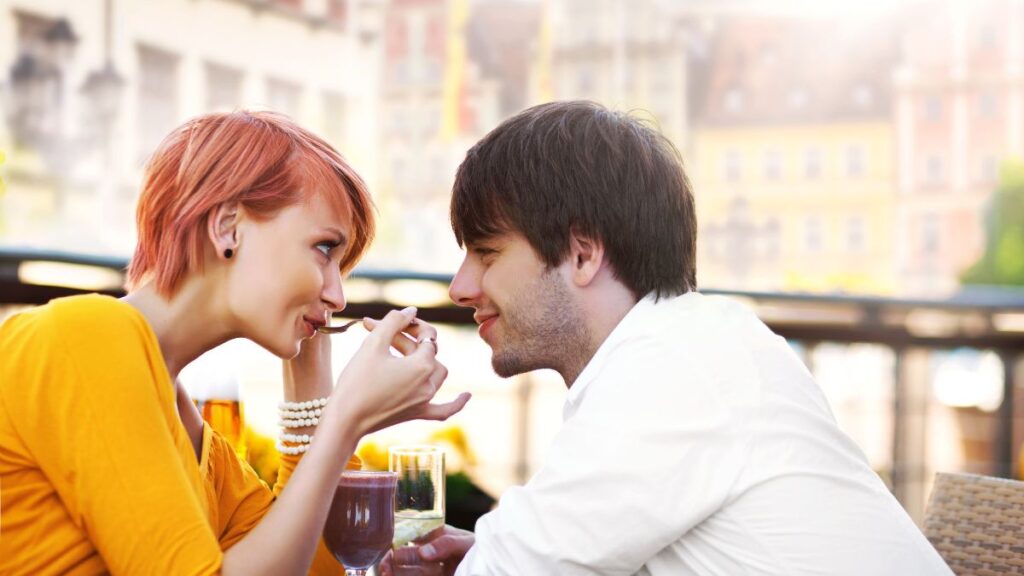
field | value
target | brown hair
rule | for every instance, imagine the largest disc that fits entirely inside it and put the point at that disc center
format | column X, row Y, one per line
column 576, row 165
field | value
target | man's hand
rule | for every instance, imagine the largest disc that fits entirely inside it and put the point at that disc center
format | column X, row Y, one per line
column 448, row 545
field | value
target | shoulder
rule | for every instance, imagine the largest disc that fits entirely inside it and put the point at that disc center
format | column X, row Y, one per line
column 690, row 346
column 89, row 322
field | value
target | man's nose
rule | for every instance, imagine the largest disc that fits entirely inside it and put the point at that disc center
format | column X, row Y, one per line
column 465, row 287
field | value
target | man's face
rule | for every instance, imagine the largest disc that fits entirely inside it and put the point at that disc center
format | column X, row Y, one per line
column 525, row 309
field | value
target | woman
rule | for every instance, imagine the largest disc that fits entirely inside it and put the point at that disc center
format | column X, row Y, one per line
column 246, row 224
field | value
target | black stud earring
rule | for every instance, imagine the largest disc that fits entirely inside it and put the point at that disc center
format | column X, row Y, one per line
column 228, row 253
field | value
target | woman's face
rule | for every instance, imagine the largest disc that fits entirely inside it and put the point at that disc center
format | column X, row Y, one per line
column 285, row 278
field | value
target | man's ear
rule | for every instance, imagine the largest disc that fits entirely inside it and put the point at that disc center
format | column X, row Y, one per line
column 586, row 256
column 222, row 227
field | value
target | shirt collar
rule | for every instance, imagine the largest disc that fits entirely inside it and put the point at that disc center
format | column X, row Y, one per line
column 626, row 327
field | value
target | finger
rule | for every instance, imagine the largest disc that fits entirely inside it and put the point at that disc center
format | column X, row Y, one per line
column 446, row 546
column 394, row 322
column 446, row 410
column 385, row 565
column 404, row 344
column 437, row 377
column 426, row 351
column 420, row 330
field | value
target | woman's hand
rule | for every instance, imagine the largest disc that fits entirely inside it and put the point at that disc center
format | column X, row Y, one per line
column 406, row 343
column 308, row 375
column 381, row 389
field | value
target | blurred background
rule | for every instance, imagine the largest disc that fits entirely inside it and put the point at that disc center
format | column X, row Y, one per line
column 857, row 169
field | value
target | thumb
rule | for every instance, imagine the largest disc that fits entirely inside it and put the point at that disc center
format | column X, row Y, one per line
column 445, row 547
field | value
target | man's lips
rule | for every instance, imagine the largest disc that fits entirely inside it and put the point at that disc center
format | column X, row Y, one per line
column 485, row 322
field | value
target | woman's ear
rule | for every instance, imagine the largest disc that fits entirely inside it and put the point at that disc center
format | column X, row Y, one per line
column 222, row 228
column 586, row 255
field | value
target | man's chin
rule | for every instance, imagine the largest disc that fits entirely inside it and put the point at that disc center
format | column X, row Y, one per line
column 506, row 365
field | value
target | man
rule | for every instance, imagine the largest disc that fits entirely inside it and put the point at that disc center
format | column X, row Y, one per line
column 694, row 441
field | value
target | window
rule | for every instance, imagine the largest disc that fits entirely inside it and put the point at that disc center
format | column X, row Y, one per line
column 798, row 98
column 157, row 96
column 772, row 238
column 812, row 163
column 37, row 110
column 987, row 105
column 284, row 96
column 732, row 166
column 337, row 11
column 733, row 100
column 855, row 162
column 934, row 170
column 223, row 88
column 855, row 241
column 334, row 118
column 930, row 234
column 988, row 168
column 812, row 235
column 932, row 109
column 772, row 165
column 585, row 80
column 986, row 36
column 863, row 96
column 289, row 4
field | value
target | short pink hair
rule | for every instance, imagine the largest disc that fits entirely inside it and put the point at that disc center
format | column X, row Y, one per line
column 262, row 160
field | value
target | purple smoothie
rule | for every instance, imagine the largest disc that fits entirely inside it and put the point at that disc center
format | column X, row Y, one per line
column 361, row 522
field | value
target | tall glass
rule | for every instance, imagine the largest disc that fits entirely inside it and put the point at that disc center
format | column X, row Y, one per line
column 420, row 505
column 361, row 522
column 219, row 399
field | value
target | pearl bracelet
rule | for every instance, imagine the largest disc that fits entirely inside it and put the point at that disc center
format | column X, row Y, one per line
column 299, row 423
column 297, row 438
column 286, row 414
column 305, row 405
column 291, row 450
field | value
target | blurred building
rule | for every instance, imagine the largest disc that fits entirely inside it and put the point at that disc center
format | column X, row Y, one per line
column 958, row 113
column 630, row 55
column 90, row 88
column 436, row 103
column 793, row 160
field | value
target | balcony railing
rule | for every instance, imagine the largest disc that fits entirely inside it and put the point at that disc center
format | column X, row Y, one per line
column 976, row 318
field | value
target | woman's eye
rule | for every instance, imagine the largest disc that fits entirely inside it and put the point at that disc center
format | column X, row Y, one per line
column 325, row 248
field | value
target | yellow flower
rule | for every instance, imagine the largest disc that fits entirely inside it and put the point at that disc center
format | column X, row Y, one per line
column 262, row 455
column 373, row 454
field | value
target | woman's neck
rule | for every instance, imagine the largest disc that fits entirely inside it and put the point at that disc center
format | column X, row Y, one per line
column 186, row 325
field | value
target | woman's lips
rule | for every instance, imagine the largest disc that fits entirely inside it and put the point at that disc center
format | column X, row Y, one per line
column 311, row 325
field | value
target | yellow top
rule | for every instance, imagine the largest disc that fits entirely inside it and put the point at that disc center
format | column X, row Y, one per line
column 97, row 473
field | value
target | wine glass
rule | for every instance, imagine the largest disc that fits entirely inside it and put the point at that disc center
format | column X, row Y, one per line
column 361, row 522
column 420, row 506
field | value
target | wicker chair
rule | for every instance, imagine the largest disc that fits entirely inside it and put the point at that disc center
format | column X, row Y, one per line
column 977, row 524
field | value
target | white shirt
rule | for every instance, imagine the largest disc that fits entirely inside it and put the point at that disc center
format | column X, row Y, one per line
column 696, row 442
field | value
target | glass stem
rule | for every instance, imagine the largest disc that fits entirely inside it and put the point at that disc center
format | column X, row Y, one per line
column 354, row 572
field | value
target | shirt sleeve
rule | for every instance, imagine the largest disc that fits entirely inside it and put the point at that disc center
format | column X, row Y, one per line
column 94, row 411
column 652, row 450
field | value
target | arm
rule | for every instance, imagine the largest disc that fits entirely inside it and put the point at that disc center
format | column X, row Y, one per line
column 650, row 453
column 95, row 409
column 308, row 376
column 286, row 539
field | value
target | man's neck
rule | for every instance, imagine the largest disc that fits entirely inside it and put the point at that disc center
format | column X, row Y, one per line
column 604, row 306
